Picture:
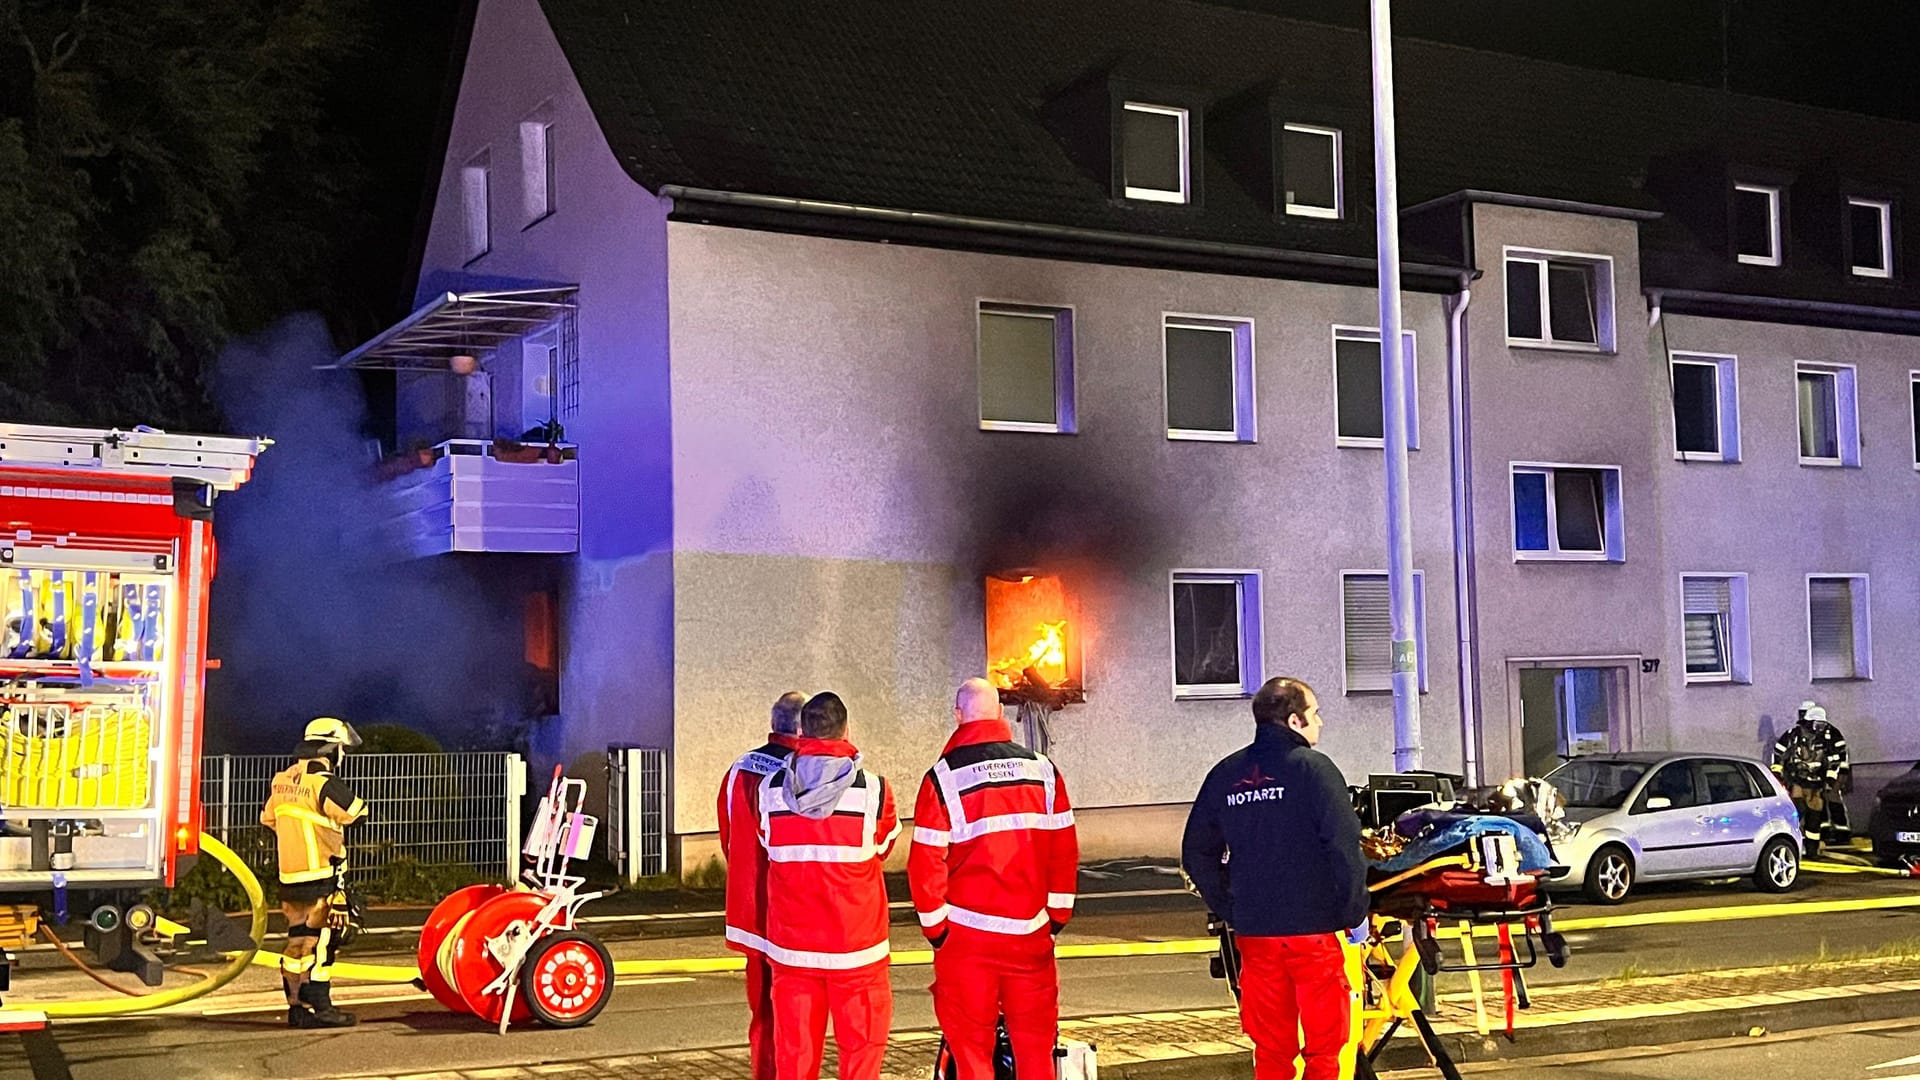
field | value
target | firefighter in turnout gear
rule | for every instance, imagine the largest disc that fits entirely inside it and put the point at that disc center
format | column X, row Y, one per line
column 1810, row 759
column 993, row 869
column 308, row 811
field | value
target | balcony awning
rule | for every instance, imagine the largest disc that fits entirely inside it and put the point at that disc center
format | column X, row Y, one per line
column 470, row 323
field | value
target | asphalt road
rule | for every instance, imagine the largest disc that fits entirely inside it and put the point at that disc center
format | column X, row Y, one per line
column 1876, row 1052
column 240, row 1033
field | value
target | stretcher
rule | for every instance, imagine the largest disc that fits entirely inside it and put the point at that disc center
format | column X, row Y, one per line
column 1480, row 886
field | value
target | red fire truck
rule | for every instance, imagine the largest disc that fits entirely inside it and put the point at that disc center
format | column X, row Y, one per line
column 106, row 557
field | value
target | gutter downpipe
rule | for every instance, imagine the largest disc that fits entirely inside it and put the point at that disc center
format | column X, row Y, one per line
column 1465, row 589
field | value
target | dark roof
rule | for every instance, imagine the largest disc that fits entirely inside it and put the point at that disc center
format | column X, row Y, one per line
column 913, row 105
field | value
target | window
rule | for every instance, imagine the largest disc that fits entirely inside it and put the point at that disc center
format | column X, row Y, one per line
column 1756, row 224
column 1366, row 622
column 473, row 204
column 1674, row 783
column 1359, row 389
column 1829, row 415
column 1839, row 638
column 1706, row 407
column 1026, row 368
column 1714, row 628
column 1559, row 301
column 1726, row 782
column 1567, row 512
column 536, row 166
column 1209, row 378
column 1216, row 633
column 1913, row 413
column 1311, row 171
column 1870, row 237
column 1153, row 140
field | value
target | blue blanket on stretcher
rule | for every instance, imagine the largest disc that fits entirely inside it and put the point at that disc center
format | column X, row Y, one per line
column 1452, row 832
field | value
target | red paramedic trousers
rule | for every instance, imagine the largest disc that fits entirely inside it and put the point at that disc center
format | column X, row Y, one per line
column 760, row 1005
column 1292, row 987
column 979, row 977
column 861, row 1004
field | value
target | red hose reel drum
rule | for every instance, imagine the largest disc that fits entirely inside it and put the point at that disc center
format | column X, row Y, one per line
column 439, row 927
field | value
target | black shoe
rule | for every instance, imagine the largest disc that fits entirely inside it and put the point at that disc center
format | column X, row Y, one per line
column 299, row 1016
column 319, row 996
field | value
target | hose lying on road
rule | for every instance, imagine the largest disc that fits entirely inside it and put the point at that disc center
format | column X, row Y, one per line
column 160, row 999
column 85, row 968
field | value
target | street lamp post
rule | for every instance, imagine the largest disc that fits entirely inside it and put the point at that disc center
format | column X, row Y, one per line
column 1406, row 683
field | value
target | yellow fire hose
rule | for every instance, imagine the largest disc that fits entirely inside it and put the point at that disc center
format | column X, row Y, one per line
column 160, row 999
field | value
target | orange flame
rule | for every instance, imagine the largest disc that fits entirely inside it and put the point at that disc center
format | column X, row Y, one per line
column 1047, row 655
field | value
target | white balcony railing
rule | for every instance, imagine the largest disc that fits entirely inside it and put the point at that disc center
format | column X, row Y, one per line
column 483, row 496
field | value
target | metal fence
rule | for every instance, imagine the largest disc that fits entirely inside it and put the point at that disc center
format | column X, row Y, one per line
column 454, row 809
column 636, row 829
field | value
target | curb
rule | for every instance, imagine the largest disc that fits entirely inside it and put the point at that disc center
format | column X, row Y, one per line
column 1589, row 1037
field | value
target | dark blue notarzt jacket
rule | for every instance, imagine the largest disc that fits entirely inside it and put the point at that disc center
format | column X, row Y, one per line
column 1281, row 808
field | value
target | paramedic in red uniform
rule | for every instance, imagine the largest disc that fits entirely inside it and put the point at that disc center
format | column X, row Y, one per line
column 739, row 815
column 1294, row 882
column 993, row 869
column 827, row 825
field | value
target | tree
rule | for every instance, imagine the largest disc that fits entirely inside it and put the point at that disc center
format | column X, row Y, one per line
column 169, row 177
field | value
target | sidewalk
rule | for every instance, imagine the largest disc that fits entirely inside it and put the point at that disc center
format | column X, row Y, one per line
column 1208, row 1042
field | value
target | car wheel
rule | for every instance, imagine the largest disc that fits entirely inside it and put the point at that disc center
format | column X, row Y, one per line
column 1779, row 867
column 1609, row 875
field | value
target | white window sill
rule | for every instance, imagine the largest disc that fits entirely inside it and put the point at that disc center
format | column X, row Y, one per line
column 1022, row 425
column 1210, row 693
column 1841, row 678
column 1559, row 346
column 1328, row 213
column 1564, row 556
column 1351, row 443
column 1384, row 692
column 1827, row 463
column 1194, row 435
column 1760, row 260
column 1723, row 679
column 1716, row 458
column 1155, row 195
column 1870, row 272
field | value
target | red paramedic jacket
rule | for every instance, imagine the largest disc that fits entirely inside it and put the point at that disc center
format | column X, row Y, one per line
column 739, row 814
column 826, row 825
column 994, row 846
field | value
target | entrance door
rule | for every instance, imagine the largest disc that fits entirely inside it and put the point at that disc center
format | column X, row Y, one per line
column 1571, row 710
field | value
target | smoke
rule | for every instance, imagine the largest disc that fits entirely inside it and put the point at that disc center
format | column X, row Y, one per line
column 1054, row 504
column 309, row 616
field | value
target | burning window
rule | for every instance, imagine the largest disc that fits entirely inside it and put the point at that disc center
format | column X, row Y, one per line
column 1031, row 647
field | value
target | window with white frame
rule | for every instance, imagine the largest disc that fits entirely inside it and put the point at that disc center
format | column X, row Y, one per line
column 1311, row 171
column 1706, row 406
column 1559, row 301
column 1209, row 378
column 1713, row 624
column 1913, row 413
column 1366, row 626
column 1829, row 414
column 1216, row 633
column 1870, row 237
column 1359, row 388
column 1756, row 224
column 1026, row 368
column 477, row 234
column 1839, row 635
column 536, row 166
column 1154, row 152
column 1567, row 512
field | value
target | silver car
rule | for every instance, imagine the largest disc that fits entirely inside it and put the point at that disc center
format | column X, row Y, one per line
column 1667, row 817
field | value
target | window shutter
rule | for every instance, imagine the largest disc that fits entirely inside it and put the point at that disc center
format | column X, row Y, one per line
column 1830, row 622
column 1708, row 603
column 1708, row 595
column 1369, row 632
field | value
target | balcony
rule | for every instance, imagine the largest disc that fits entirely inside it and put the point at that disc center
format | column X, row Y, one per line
column 476, row 495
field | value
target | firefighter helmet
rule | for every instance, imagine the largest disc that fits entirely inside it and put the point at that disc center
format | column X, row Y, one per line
column 329, row 731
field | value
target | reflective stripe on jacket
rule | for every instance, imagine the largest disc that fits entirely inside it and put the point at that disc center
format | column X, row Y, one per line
column 308, row 811
column 994, row 843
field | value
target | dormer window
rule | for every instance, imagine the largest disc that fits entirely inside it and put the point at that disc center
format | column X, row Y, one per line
column 1756, row 224
column 1154, row 153
column 1311, row 171
column 1870, row 237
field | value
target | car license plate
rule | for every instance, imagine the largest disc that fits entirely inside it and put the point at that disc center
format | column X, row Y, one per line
column 1906, row 838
